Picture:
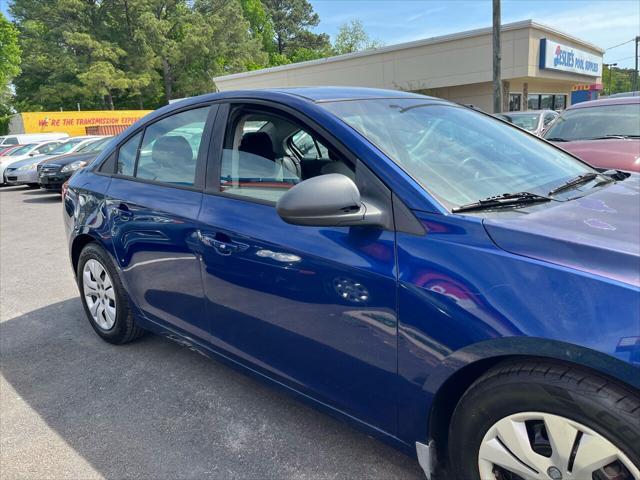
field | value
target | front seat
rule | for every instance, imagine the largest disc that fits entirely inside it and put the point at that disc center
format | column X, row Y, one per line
column 258, row 143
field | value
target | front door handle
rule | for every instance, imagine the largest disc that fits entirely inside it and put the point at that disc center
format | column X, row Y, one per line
column 123, row 211
column 221, row 243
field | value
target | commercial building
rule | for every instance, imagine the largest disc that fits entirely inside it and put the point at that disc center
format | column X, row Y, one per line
column 540, row 68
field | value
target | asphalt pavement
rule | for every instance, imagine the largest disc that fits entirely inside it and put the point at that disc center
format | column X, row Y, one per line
column 73, row 406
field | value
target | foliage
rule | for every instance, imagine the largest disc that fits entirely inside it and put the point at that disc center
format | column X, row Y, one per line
column 617, row 80
column 9, row 52
column 291, row 22
column 352, row 37
column 9, row 68
column 99, row 54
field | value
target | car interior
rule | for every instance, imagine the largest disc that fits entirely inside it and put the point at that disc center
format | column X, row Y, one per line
column 265, row 154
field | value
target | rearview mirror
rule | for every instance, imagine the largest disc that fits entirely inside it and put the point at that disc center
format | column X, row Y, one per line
column 327, row 200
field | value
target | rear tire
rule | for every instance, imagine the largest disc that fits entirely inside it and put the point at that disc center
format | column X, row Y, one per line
column 517, row 410
column 33, row 185
column 104, row 298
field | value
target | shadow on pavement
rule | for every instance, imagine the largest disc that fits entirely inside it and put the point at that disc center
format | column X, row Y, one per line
column 154, row 409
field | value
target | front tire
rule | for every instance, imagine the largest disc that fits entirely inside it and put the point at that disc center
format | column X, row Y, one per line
column 527, row 420
column 104, row 298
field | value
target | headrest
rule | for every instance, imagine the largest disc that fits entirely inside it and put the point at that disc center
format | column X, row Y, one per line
column 258, row 143
column 169, row 148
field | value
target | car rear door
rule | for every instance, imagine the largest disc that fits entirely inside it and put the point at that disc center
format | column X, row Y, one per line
column 153, row 203
column 313, row 307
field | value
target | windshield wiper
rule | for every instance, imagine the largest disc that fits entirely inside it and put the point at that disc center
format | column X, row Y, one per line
column 574, row 182
column 555, row 139
column 614, row 136
column 504, row 200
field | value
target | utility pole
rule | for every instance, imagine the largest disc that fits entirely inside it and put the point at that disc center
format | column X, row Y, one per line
column 609, row 65
column 497, row 56
column 635, row 72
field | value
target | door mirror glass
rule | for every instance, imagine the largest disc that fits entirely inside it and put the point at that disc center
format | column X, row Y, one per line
column 327, row 200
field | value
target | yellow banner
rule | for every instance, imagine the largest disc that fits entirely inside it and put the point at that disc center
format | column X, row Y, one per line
column 75, row 123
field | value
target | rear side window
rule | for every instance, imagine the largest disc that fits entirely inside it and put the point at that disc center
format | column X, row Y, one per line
column 169, row 150
column 127, row 155
column 10, row 141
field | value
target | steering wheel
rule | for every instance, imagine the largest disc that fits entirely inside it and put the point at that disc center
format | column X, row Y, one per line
column 467, row 160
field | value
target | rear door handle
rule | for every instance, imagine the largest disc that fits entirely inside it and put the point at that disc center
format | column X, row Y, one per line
column 221, row 243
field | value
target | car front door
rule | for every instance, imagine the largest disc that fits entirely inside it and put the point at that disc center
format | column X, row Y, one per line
column 153, row 201
column 313, row 307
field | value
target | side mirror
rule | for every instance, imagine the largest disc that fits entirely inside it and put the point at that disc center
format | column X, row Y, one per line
column 327, row 200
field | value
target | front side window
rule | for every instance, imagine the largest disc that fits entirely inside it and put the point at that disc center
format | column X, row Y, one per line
column 47, row 147
column 589, row 123
column 456, row 154
column 21, row 150
column 65, row 147
column 169, row 149
column 527, row 121
column 265, row 154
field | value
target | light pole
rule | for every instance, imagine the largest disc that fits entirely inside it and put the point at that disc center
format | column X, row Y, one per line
column 497, row 82
column 609, row 65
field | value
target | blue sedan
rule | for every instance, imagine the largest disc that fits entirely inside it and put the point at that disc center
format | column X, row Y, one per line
column 451, row 284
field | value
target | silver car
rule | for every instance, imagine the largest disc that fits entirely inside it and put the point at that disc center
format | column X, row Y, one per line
column 25, row 172
column 534, row 121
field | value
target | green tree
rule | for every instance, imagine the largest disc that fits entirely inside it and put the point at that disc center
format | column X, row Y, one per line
column 9, row 68
column 352, row 37
column 260, row 24
column 9, row 52
column 291, row 22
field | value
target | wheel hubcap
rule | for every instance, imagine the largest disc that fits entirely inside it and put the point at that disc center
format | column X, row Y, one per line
column 541, row 446
column 99, row 294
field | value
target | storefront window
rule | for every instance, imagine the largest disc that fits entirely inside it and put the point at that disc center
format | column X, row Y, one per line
column 515, row 102
column 546, row 101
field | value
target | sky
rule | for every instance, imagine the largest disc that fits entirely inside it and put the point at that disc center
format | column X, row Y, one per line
column 605, row 23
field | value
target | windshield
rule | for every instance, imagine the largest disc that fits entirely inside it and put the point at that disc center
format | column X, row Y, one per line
column 21, row 150
column 94, row 146
column 596, row 122
column 455, row 153
column 65, row 147
column 527, row 121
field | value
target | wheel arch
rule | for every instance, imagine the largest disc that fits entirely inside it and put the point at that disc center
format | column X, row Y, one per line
column 460, row 370
column 79, row 242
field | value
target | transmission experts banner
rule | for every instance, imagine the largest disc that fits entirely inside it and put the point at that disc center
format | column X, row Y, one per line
column 556, row 56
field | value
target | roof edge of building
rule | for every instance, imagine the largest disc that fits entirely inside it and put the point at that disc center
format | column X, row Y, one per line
column 415, row 43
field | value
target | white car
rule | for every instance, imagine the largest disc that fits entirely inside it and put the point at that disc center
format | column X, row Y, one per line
column 24, row 138
column 26, row 151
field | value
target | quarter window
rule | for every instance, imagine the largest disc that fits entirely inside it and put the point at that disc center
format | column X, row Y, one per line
column 169, row 149
column 127, row 155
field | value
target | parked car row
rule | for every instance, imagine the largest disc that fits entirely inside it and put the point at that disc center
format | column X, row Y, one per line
column 47, row 163
column 604, row 133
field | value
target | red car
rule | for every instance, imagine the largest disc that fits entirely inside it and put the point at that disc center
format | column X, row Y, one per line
column 604, row 133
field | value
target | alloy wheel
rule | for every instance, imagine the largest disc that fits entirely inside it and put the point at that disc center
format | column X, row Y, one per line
column 99, row 294
column 542, row 446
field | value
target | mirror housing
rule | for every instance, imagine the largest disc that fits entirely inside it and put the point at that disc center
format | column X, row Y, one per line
column 327, row 200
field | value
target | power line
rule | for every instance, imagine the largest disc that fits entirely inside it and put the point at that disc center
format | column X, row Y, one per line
column 620, row 44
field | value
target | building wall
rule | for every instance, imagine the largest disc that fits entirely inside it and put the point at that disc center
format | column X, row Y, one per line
column 452, row 63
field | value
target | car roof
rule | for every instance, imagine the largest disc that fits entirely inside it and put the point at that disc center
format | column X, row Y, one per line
column 312, row 94
column 606, row 101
